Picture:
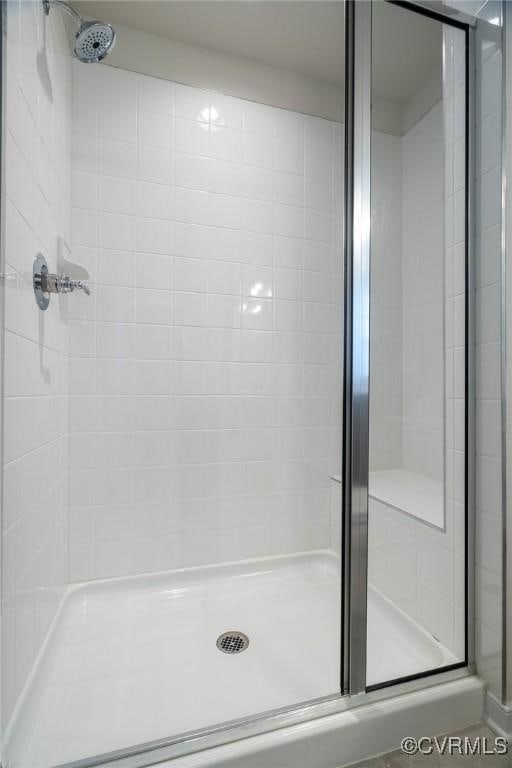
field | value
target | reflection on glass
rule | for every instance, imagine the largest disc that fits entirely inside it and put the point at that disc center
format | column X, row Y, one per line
column 417, row 330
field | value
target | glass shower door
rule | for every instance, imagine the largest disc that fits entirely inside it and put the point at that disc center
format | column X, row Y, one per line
column 418, row 493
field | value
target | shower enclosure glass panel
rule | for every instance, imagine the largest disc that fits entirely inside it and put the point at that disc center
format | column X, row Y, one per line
column 418, row 371
column 171, row 452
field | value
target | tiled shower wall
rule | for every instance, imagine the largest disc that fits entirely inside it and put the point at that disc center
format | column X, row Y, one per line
column 487, row 286
column 386, row 393
column 488, row 364
column 407, row 287
column 205, row 367
column 418, row 567
column 36, row 211
column 423, row 223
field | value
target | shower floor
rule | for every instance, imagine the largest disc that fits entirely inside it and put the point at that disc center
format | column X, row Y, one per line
column 134, row 660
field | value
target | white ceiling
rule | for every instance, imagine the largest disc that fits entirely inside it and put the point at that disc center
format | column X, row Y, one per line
column 305, row 36
column 406, row 50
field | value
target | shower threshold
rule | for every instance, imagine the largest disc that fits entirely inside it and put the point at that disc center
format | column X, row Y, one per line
column 135, row 659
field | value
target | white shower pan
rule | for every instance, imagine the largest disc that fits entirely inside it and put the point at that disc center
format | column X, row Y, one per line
column 133, row 660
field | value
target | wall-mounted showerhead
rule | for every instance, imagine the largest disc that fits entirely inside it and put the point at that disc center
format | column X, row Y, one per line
column 94, row 39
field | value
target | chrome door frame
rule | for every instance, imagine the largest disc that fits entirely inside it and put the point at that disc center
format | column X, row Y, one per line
column 358, row 84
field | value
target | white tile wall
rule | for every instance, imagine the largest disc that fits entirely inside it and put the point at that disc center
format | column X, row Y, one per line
column 488, row 469
column 407, row 287
column 205, row 368
column 35, row 378
column 454, row 276
column 488, row 365
column 423, row 219
column 421, row 569
column 418, row 567
column 386, row 359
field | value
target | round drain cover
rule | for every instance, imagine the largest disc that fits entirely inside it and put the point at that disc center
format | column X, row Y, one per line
column 232, row 642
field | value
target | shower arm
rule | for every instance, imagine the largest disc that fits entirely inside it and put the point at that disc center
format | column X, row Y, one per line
column 64, row 6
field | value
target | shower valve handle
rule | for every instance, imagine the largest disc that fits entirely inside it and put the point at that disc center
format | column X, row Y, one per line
column 62, row 284
column 80, row 285
column 46, row 283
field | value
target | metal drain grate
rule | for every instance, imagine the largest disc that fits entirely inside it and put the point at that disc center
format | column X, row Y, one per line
column 232, row 642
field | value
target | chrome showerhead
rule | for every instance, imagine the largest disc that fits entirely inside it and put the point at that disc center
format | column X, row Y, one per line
column 94, row 39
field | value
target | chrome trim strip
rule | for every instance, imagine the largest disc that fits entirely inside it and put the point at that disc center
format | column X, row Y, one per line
column 357, row 340
column 506, row 684
column 3, row 197
column 470, row 443
column 347, row 310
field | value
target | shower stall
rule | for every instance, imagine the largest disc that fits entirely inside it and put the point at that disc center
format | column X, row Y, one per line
column 250, row 383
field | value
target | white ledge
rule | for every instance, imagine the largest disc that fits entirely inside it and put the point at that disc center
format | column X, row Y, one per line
column 414, row 494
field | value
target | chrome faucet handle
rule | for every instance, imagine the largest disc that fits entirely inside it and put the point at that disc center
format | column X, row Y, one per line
column 83, row 287
column 46, row 283
column 67, row 285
